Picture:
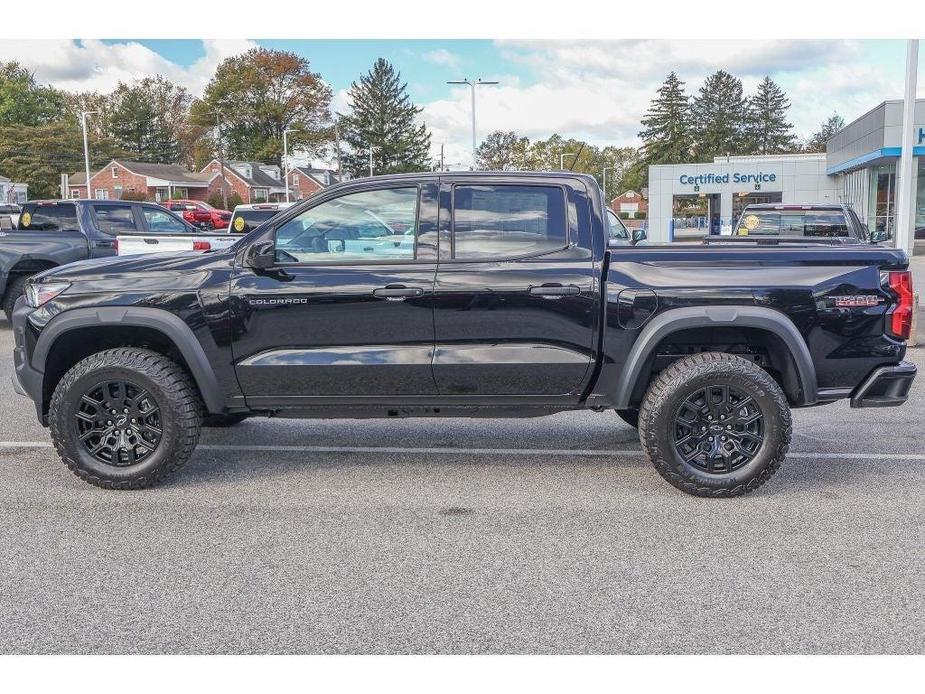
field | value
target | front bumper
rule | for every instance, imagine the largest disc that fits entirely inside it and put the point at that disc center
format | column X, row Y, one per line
column 886, row 386
column 26, row 379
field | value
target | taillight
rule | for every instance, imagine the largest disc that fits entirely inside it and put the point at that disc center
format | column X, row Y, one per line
column 202, row 246
column 900, row 316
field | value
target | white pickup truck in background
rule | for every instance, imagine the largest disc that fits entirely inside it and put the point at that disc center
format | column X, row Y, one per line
column 134, row 244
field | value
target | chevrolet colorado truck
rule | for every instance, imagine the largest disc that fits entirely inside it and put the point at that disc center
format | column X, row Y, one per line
column 462, row 294
column 50, row 233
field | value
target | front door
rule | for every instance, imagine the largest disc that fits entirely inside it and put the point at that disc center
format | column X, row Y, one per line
column 515, row 302
column 347, row 311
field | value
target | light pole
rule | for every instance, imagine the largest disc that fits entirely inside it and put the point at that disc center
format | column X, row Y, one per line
column 286, row 158
column 83, row 125
column 604, row 186
column 905, row 210
column 221, row 155
column 372, row 148
column 472, row 86
column 562, row 159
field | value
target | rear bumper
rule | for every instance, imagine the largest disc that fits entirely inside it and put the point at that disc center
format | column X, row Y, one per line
column 886, row 386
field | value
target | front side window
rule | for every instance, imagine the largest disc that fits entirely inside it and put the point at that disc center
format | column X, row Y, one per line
column 161, row 222
column 507, row 221
column 617, row 231
column 115, row 219
column 359, row 227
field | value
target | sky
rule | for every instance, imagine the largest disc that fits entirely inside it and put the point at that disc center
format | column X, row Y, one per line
column 593, row 90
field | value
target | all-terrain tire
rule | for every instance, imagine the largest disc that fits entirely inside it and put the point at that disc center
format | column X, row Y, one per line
column 174, row 393
column 220, row 421
column 683, row 379
column 14, row 289
column 631, row 417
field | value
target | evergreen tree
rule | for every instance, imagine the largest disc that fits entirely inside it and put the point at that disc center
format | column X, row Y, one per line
column 767, row 130
column 719, row 116
column 667, row 135
column 816, row 142
column 382, row 116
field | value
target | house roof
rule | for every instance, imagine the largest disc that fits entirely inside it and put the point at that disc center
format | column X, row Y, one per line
column 320, row 176
column 174, row 174
column 258, row 178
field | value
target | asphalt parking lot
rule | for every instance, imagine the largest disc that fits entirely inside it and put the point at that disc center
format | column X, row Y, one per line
column 549, row 535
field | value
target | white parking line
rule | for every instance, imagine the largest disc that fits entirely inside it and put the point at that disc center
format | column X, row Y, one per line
column 576, row 452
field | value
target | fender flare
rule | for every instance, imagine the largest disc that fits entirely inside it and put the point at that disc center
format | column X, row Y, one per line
column 167, row 323
column 685, row 318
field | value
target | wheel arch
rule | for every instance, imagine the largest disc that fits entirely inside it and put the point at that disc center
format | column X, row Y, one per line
column 104, row 321
column 799, row 373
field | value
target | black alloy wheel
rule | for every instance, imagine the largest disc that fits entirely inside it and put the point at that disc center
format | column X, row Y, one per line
column 119, row 423
column 718, row 429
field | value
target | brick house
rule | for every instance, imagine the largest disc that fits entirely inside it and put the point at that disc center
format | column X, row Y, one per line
column 305, row 181
column 632, row 203
column 156, row 181
column 253, row 181
column 11, row 191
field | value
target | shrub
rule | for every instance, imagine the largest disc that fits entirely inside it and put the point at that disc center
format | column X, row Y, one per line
column 215, row 199
column 134, row 195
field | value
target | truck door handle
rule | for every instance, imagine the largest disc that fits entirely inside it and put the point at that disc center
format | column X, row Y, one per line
column 105, row 244
column 397, row 292
column 555, row 290
column 151, row 241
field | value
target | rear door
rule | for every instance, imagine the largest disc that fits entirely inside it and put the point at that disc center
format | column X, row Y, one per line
column 515, row 298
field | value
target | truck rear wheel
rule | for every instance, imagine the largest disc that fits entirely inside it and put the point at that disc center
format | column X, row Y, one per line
column 715, row 424
column 125, row 418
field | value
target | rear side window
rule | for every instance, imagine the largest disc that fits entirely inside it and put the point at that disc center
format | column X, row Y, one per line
column 115, row 219
column 57, row 217
column 507, row 221
column 821, row 223
column 247, row 220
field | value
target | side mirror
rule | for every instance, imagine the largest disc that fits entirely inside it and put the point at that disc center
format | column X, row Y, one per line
column 262, row 255
column 639, row 235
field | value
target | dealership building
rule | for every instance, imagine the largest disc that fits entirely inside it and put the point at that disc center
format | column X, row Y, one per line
column 859, row 168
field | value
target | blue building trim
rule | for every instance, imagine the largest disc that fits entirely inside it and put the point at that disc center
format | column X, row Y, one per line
column 883, row 153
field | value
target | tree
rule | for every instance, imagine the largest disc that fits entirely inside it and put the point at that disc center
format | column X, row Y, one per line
column 383, row 117
column 718, row 116
column 816, row 142
column 503, row 151
column 260, row 94
column 38, row 155
column 25, row 102
column 667, row 136
column 766, row 129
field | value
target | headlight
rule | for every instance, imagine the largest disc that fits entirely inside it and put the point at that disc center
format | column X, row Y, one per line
column 39, row 294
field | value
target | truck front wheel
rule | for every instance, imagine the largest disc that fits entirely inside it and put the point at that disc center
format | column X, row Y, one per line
column 14, row 289
column 715, row 424
column 125, row 418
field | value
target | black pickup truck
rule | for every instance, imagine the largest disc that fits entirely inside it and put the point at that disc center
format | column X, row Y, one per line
column 50, row 233
column 462, row 294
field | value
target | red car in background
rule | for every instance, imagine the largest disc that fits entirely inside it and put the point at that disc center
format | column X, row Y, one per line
column 199, row 213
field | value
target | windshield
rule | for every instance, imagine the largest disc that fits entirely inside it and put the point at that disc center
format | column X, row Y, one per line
column 811, row 223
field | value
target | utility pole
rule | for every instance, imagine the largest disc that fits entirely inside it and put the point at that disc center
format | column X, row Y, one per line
column 286, row 159
column 472, row 86
column 604, row 187
column 905, row 218
column 83, row 125
column 337, row 146
column 221, row 156
column 562, row 157
column 441, row 159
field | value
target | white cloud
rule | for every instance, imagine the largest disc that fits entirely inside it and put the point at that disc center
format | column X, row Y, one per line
column 442, row 56
column 600, row 90
column 92, row 65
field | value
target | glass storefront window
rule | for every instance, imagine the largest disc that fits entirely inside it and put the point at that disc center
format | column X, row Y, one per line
column 882, row 205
